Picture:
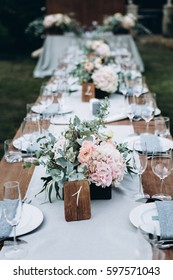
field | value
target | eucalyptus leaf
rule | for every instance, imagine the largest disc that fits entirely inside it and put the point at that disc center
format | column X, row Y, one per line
column 61, row 161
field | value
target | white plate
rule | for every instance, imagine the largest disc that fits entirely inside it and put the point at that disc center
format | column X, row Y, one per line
column 154, row 143
column 31, row 218
column 142, row 216
column 21, row 143
column 52, row 109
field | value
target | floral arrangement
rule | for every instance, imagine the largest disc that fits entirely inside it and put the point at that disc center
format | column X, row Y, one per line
column 84, row 69
column 83, row 152
column 54, row 23
column 119, row 23
column 93, row 70
column 98, row 48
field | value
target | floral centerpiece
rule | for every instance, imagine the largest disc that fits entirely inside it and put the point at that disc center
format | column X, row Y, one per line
column 83, row 152
column 96, row 70
column 118, row 23
column 54, row 24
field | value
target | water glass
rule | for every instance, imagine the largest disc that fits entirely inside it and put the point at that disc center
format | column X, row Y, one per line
column 12, row 154
column 162, row 126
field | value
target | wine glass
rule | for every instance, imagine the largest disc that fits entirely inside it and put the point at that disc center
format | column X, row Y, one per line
column 139, row 166
column 46, row 96
column 147, row 235
column 138, row 86
column 123, row 88
column 147, row 110
column 30, row 132
column 131, row 109
column 161, row 164
column 12, row 209
column 62, row 95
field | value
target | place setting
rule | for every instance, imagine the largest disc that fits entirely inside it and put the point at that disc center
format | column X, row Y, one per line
column 18, row 218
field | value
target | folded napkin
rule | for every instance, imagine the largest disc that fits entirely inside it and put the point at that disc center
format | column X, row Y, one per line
column 165, row 214
column 152, row 142
column 116, row 117
column 61, row 119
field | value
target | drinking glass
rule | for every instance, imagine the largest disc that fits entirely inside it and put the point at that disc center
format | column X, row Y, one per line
column 139, row 166
column 138, row 86
column 30, row 132
column 12, row 154
column 131, row 109
column 12, row 209
column 46, row 97
column 162, row 126
column 147, row 110
column 61, row 94
column 161, row 164
column 147, row 235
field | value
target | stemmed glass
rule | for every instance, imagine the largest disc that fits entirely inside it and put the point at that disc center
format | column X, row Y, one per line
column 138, row 86
column 12, row 209
column 139, row 166
column 46, row 96
column 147, row 235
column 62, row 94
column 148, row 110
column 161, row 164
column 131, row 109
column 123, row 88
column 31, row 132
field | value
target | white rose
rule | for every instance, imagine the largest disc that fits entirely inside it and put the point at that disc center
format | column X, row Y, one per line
column 48, row 21
column 58, row 19
column 128, row 22
column 103, row 50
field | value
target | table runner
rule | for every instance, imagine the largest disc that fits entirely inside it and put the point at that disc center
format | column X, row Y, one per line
column 107, row 235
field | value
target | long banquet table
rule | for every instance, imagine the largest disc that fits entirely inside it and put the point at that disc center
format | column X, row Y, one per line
column 109, row 233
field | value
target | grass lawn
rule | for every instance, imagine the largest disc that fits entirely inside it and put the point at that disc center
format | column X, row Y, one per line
column 158, row 62
column 18, row 87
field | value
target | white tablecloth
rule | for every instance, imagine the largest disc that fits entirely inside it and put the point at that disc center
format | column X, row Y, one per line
column 109, row 233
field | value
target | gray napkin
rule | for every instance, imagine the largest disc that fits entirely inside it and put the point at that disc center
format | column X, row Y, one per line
column 5, row 228
column 165, row 213
column 152, row 143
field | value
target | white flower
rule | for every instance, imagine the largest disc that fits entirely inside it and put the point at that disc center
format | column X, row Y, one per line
column 96, row 44
column 128, row 21
column 106, row 78
column 49, row 21
column 58, row 19
column 67, row 19
column 97, row 62
column 103, row 50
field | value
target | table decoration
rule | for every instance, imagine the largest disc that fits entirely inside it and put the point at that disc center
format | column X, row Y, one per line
column 83, row 152
column 57, row 23
column 123, row 24
column 104, row 77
